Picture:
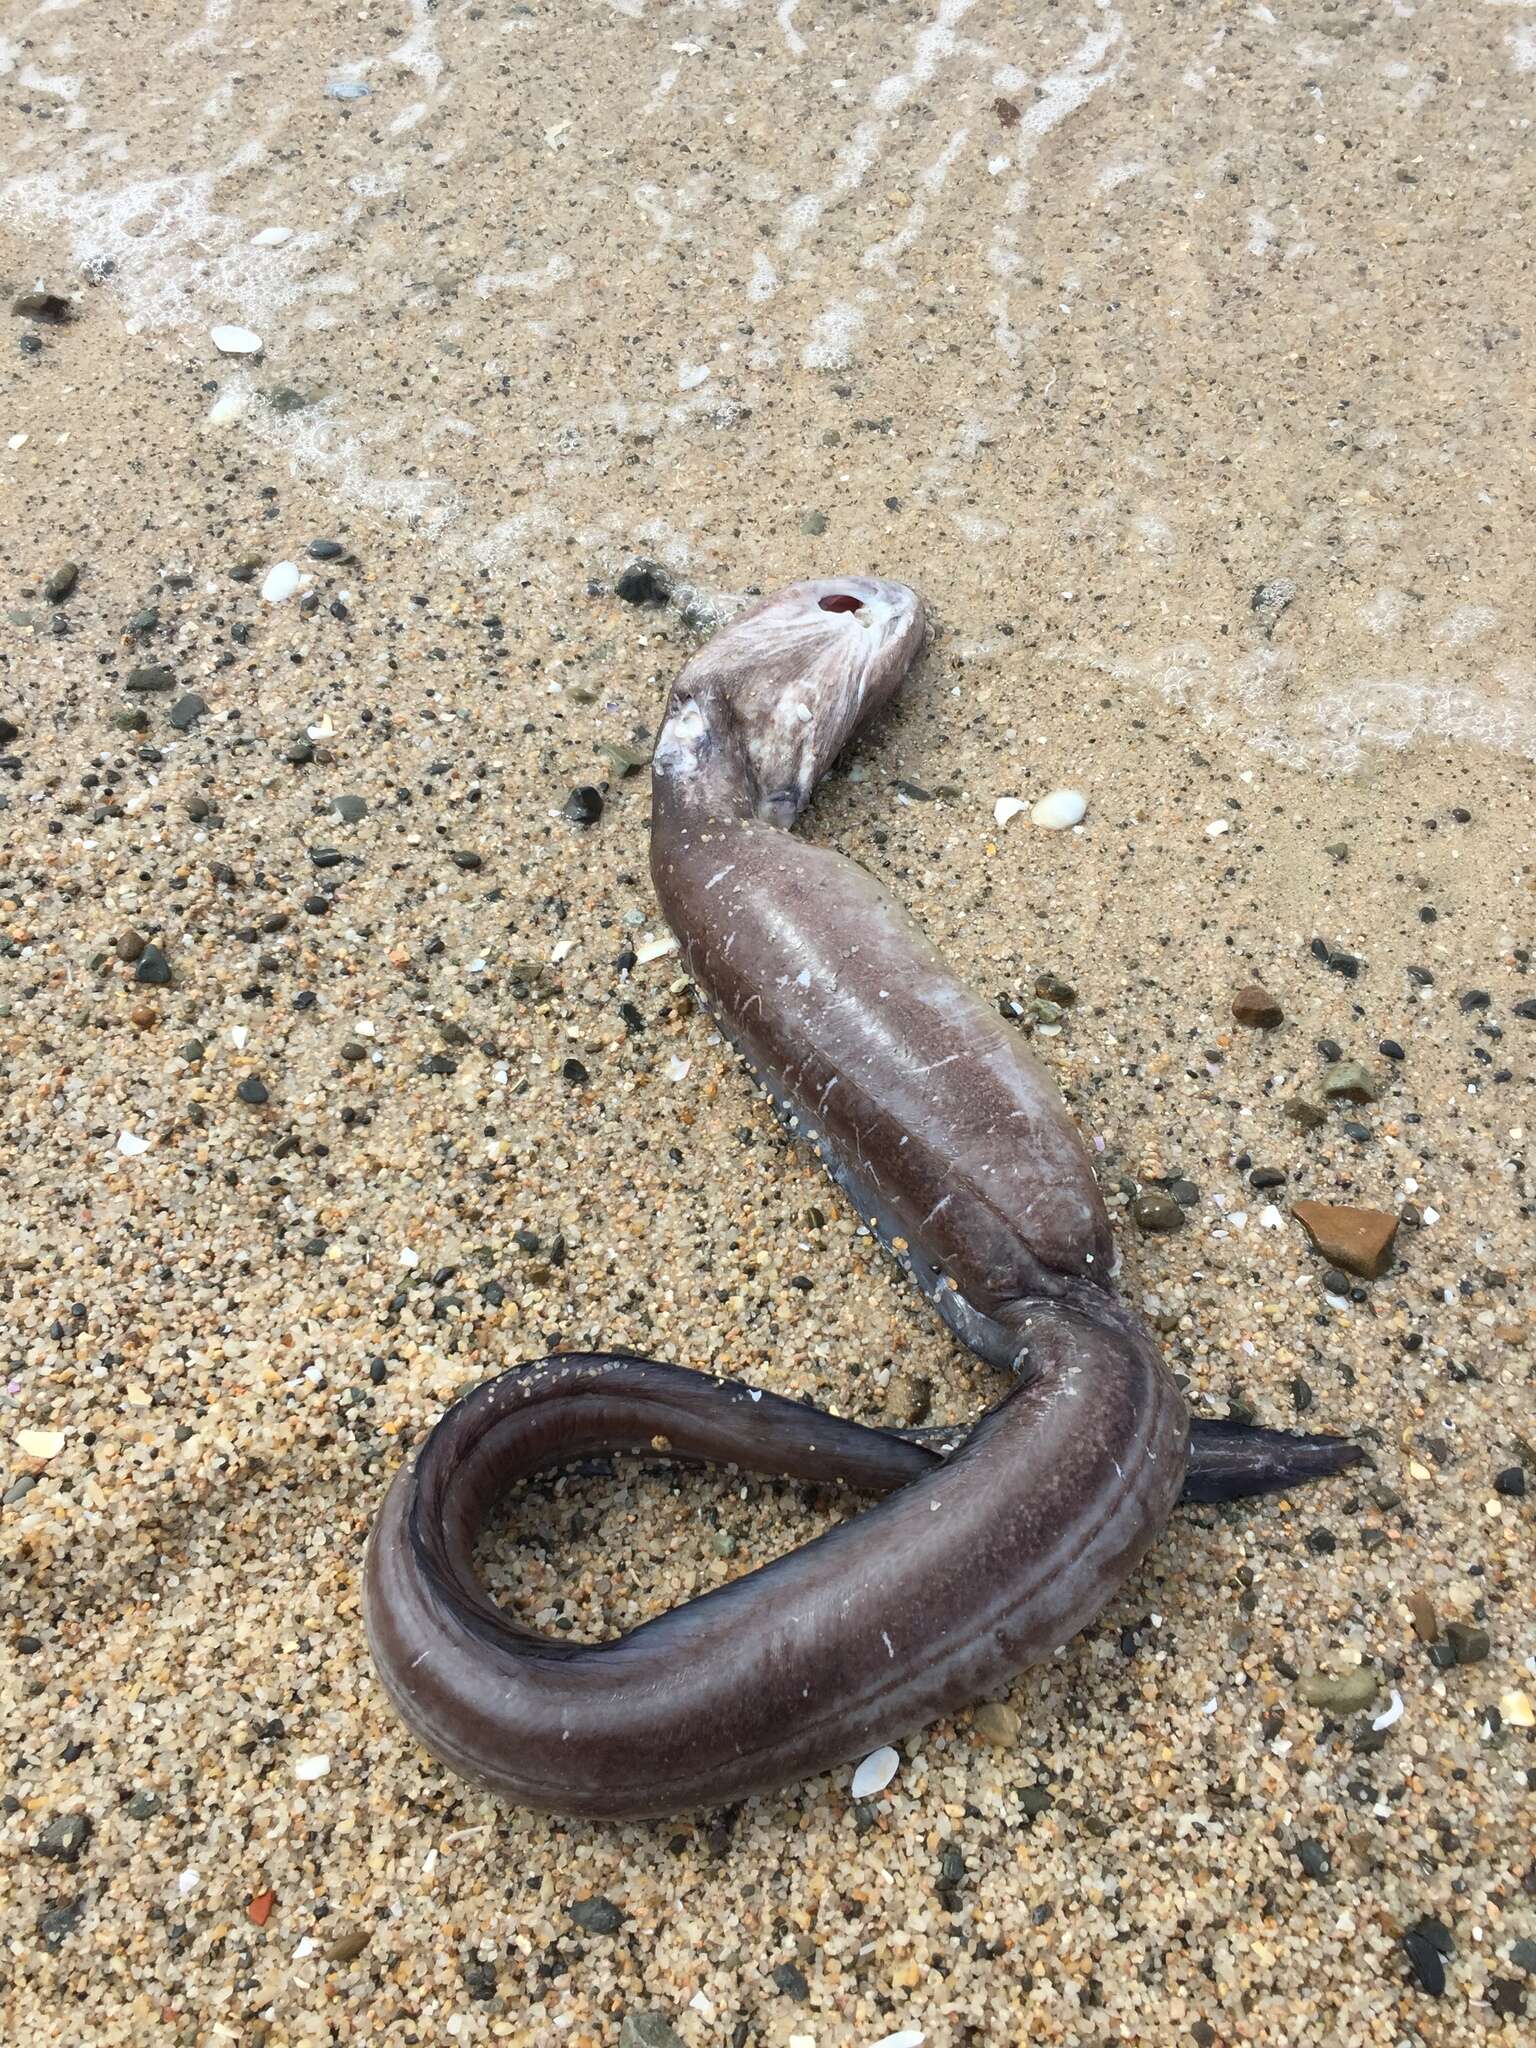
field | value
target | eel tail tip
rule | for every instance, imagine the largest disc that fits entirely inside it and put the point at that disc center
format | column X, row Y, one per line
column 1236, row 1460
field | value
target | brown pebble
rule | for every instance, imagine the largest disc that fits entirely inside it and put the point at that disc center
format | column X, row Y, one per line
column 1307, row 1114
column 1359, row 1240
column 346, row 1948
column 145, row 1017
column 130, row 944
column 1345, row 1693
column 997, row 1723
column 909, row 1398
column 259, row 1911
column 1425, row 1625
column 1257, row 1008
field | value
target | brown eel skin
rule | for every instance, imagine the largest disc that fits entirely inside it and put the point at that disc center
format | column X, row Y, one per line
column 983, row 1555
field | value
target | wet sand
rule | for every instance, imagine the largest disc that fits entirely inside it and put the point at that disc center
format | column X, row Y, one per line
column 1184, row 363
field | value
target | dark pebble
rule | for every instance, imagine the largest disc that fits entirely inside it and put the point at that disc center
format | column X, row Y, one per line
column 198, row 808
column 1185, row 1192
column 9, row 731
column 1468, row 1645
column 575, row 1072
column 1322, row 1541
column 1301, row 1396
column 1308, row 1114
column 252, row 1090
column 325, row 550
column 50, row 307
column 791, row 1981
column 1035, row 1800
column 154, row 676
column 597, row 1916
column 584, row 805
column 152, row 968
column 61, row 582
column 186, row 711
column 350, row 809
column 192, row 1051
column 1506, row 1997
column 439, row 1063
column 1157, row 1213
column 1510, row 1482
column 1474, row 999
column 55, row 1924
column 326, row 857
column 1266, row 1177
column 470, row 862
column 1337, row 1282
column 1426, row 1957
column 1390, row 1049
column 1055, row 990
column 1525, row 1009
column 1421, row 977
column 64, row 1838
column 1314, row 1859
column 643, row 583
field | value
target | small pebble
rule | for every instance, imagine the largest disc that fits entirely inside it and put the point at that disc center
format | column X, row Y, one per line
column 1257, row 1008
column 61, row 582
column 1156, row 1213
column 584, row 805
column 1346, row 1693
column 997, row 1723
column 1060, row 810
column 235, row 341
column 280, row 582
column 252, row 1089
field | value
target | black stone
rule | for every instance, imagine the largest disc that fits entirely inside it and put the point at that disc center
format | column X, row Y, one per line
column 55, row 1924
column 325, row 550
column 152, row 968
column 186, row 711
column 791, row 1981
column 1314, row 1859
column 470, row 862
column 64, row 1839
column 643, row 583
column 253, row 1090
column 575, row 1072
column 1474, row 999
column 1390, row 1049
column 597, row 1916
column 1510, row 1482
column 584, row 805
column 152, row 677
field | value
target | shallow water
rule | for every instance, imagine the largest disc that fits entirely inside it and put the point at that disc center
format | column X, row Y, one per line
column 1096, row 322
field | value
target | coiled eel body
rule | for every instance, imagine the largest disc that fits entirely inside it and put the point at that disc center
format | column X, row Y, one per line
column 983, row 1556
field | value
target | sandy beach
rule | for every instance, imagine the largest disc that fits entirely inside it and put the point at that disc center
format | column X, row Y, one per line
column 1182, row 357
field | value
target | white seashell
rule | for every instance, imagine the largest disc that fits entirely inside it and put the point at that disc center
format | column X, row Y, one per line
column 1270, row 1218
column 654, row 949
column 227, row 406
column 905, row 2037
column 1390, row 1714
column 281, row 581
column 271, row 238
column 1062, row 808
column 235, row 341
column 875, row 1773
column 408, row 1257
column 309, row 1768
column 131, row 1145
column 1216, row 827
column 677, row 1070
column 1005, row 808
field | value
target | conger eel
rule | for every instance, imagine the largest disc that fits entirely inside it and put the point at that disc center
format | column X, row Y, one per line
column 955, row 1146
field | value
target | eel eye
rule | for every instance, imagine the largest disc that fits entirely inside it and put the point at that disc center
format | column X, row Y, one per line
column 840, row 603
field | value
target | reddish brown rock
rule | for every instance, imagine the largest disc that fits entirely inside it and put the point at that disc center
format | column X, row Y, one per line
column 1359, row 1240
column 1257, row 1008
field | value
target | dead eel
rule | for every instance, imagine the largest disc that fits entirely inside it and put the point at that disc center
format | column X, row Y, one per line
column 987, row 1550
